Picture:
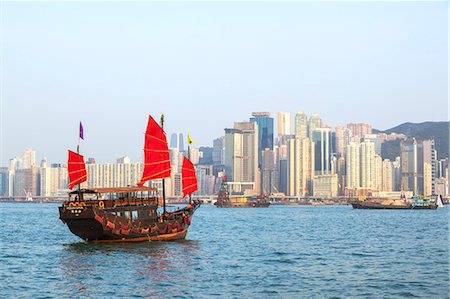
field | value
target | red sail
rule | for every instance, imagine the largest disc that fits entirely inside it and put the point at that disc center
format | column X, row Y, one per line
column 76, row 169
column 188, row 178
column 156, row 153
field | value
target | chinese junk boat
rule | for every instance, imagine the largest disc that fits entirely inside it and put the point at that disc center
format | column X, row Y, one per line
column 129, row 214
column 224, row 200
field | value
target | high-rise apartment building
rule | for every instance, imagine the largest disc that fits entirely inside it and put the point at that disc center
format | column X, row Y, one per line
column 359, row 130
column 367, row 168
column 429, row 166
column 343, row 136
column 353, row 166
column 284, row 123
column 378, row 173
column 53, row 180
column 376, row 141
column 387, row 176
column 29, row 158
column 301, row 125
column 300, row 167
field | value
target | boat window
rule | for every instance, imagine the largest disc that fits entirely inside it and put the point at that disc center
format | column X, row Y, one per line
column 127, row 214
column 134, row 215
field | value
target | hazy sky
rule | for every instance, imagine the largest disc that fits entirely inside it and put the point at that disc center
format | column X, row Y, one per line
column 209, row 64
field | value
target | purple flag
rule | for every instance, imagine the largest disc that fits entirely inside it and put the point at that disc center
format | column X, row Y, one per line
column 81, row 131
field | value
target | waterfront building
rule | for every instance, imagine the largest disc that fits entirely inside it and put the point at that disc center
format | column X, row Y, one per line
column 300, row 167
column 387, row 175
column 441, row 187
column 326, row 186
column 441, row 168
column 418, row 162
column 265, row 132
column 53, row 180
column 26, row 182
column 301, row 125
column 429, row 166
column 411, row 166
column 353, row 166
column 367, row 168
column 4, row 177
column 269, row 175
column 284, row 124
column 205, row 179
column 378, row 173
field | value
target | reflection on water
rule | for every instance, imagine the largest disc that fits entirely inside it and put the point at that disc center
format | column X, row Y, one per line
column 157, row 266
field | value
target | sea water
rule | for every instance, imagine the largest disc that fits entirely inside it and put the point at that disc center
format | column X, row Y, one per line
column 275, row 252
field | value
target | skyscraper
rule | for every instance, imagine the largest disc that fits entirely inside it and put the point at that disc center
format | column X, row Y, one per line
column 353, row 166
column 301, row 125
column 265, row 132
column 322, row 150
column 29, row 158
column 241, row 156
column 300, row 167
column 314, row 122
column 367, row 168
column 343, row 135
column 411, row 167
column 429, row 166
column 177, row 141
column 284, row 123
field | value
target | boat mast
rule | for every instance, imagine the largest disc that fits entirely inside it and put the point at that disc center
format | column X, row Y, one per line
column 79, row 185
column 163, row 180
column 189, row 157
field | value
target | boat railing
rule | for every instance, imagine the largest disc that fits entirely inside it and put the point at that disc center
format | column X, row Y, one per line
column 116, row 202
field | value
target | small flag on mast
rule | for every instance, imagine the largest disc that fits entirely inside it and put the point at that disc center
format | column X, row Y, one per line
column 81, row 131
column 190, row 140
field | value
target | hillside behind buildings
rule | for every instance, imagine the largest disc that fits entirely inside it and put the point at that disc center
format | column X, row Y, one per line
column 439, row 131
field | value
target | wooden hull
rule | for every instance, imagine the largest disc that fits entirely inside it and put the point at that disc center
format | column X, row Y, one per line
column 94, row 224
column 379, row 206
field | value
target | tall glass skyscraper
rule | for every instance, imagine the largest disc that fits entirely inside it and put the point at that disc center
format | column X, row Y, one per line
column 265, row 132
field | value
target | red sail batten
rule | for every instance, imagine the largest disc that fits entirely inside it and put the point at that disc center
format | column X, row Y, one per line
column 76, row 169
column 156, row 153
column 188, row 178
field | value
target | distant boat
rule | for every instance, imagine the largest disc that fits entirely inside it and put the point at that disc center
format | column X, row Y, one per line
column 416, row 203
column 224, row 200
column 130, row 214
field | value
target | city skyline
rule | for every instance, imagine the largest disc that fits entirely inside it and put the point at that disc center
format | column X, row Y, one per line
column 380, row 63
column 39, row 156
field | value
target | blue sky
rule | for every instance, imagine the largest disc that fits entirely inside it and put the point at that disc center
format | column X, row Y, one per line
column 209, row 64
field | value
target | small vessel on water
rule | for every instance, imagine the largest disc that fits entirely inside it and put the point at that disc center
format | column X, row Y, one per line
column 416, row 203
column 130, row 214
column 224, row 200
